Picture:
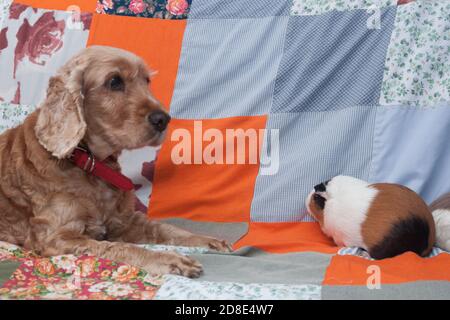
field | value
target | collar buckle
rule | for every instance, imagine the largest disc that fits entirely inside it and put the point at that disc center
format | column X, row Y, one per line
column 89, row 166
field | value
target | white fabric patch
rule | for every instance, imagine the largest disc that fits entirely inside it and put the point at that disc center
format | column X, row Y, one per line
column 136, row 166
column 181, row 288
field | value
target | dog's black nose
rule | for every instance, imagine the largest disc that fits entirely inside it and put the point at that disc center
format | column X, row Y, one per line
column 320, row 188
column 159, row 120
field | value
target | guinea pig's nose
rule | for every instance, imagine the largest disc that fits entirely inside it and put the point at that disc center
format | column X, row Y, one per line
column 159, row 120
column 320, row 188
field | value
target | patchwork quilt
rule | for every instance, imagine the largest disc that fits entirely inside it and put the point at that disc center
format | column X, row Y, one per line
column 268, row 98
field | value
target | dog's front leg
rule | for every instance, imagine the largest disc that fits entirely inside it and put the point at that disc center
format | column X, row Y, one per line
column 137, row 228
column 156, row 263
column 60, row 227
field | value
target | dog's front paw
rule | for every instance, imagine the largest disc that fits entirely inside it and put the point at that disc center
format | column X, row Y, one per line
column 210, row 243
column 174, row 263
column 219, row 245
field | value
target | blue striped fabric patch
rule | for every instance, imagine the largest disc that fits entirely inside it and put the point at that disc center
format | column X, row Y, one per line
column 235, row 9
column 332, row 61
column 228, row 67
column 314, row 146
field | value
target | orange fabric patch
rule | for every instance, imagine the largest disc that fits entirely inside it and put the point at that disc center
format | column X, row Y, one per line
column 287, row 237
column 85, row 5
column 351, row 270
column 205, row 192
column 157, row 41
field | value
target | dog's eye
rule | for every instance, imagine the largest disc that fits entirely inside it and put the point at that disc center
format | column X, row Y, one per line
column 148, row 80
column 116, row 84
column 319, row 200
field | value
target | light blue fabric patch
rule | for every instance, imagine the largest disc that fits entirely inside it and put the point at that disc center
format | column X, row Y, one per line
column 332, row 61
column 228, row 68
column 412, row 148
column 313, row 147
column 181, row 288
column 235, row 9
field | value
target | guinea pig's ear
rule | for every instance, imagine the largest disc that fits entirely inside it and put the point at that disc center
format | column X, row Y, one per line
column 61, row 125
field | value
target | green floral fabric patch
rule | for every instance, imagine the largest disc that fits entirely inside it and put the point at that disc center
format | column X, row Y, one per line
column 11, row 115
column 315, row 7
column 417, row 68
column 7, row 268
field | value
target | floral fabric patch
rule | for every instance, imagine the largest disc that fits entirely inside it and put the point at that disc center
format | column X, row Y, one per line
column 181, row 250
column 180, row 288
column 72, row 277
column 316, row 7
column 4, row 9
column 161, row 9
column 34, row 43
column 11, row 115
column 417, row 68
column 12, row 252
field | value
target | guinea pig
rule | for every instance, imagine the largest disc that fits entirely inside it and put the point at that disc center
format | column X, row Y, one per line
column 384, row 219
column 441, row 214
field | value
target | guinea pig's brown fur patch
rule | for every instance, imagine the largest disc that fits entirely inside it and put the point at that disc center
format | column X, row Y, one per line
column 397, row 221
column 316, row 211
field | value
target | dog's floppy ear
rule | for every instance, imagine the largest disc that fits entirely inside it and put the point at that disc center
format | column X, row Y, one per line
column 61, row 125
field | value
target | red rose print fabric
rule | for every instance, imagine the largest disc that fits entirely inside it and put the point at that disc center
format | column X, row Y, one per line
column 34, row 43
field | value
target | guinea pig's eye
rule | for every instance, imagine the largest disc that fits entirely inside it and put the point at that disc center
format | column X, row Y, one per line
column 319, row 200
column 116, row 84
column 148, row 80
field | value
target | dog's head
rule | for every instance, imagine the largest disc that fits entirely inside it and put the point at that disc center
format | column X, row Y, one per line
column 101, row 97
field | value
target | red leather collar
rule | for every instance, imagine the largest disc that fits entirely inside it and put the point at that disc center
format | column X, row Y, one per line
column 85, row 160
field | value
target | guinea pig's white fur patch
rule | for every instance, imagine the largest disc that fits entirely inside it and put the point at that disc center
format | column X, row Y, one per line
column 348, row 200
column 442, row 220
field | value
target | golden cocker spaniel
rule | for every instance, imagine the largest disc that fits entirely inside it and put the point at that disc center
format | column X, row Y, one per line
column 99, row 100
